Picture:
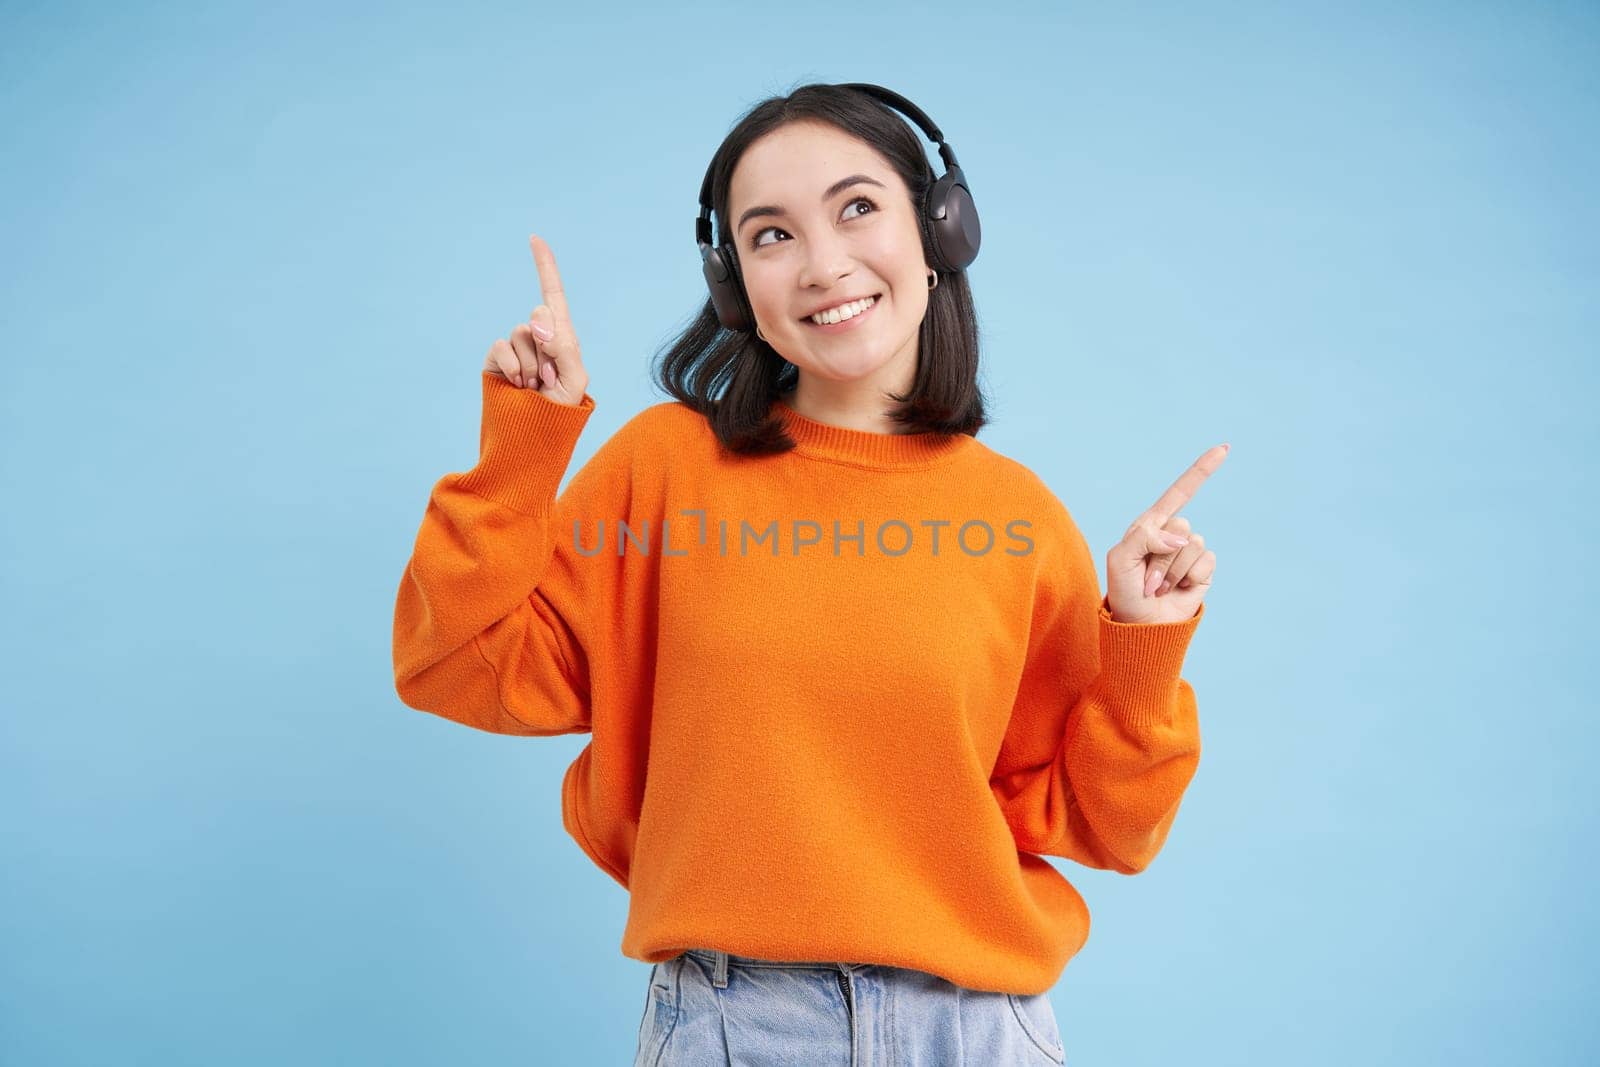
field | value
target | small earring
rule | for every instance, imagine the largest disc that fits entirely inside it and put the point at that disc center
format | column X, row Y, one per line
column 933, row 280
column 761, row 335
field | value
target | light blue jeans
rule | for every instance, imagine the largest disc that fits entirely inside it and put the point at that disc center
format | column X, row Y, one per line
column 706, row 1007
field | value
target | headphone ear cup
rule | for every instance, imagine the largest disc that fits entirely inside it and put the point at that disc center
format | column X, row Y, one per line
column 930, row 239
column 746, row 314
column 727, row 290
column 951, row 220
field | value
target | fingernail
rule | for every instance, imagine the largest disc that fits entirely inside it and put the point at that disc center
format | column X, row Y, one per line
column 544, row 333
column 1175, row 541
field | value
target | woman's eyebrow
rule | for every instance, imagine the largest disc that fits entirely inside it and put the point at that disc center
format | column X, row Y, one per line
column 832, row 191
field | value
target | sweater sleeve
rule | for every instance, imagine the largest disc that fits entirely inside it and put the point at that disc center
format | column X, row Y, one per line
column 1104, row 736
column 487, row 620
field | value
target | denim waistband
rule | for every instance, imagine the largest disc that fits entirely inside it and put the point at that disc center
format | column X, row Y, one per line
column 709, row 956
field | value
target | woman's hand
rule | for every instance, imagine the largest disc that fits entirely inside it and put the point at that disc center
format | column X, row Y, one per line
column 1159, row 571
column 543, row 353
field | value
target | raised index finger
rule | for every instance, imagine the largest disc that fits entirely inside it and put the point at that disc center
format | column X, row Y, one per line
column 1182, row 490
column 549, row 278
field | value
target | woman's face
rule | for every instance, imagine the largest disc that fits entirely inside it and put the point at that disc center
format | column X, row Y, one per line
column 811, row 247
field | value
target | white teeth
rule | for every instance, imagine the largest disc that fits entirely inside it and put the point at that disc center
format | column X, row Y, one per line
column 843, row 311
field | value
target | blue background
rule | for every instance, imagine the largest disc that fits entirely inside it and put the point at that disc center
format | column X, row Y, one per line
column 253, row 263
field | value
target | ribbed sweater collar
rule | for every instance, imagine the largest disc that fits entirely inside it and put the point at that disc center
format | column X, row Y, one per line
column 862, row 448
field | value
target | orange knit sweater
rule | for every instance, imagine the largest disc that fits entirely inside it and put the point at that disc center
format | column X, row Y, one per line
column 841, row 699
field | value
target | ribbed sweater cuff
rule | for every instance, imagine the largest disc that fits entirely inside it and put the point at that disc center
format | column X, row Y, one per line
column 1140, row 664
column 524, row 445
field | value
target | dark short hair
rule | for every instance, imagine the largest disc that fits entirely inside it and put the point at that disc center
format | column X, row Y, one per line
column 732, row 376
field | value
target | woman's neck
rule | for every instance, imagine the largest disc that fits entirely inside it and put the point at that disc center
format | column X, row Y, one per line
column 852, row 406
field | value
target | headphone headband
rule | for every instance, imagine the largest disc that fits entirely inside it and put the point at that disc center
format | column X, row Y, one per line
column 947, row 215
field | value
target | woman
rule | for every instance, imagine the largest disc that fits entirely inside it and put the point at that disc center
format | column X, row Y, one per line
column 848, row 671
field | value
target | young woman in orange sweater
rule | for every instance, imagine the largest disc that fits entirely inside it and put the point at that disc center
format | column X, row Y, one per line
column 848, row 672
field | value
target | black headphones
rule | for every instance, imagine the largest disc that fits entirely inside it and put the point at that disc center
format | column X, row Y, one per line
column 948, row 217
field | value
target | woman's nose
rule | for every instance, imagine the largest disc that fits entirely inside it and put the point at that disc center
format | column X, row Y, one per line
column 825, row 262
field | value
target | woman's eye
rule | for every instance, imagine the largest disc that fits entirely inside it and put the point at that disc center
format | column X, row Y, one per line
column 756, row 242
column 861, row 200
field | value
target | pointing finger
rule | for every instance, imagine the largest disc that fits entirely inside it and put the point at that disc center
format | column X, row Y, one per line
column 549, row 278
column 1188, row 483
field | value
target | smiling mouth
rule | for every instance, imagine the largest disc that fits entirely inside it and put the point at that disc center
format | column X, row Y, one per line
column 845, row 324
